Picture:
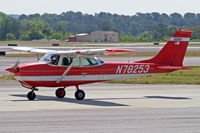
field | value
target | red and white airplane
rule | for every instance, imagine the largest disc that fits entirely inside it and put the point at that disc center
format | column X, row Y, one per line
column 74, row 68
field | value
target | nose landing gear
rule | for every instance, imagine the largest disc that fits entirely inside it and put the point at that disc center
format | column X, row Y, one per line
column 31, row 95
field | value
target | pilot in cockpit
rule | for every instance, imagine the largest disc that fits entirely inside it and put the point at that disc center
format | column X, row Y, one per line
column 55, row 59
column 67, row 61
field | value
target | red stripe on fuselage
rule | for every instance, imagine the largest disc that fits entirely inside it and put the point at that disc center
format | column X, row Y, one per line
column 43, row 69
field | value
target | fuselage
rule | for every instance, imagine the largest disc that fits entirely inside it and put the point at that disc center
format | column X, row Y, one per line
column 42, row 74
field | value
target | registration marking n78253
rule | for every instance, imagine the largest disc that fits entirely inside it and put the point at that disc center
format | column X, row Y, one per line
column 123, row 69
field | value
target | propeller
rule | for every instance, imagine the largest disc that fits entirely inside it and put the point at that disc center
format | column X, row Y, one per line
column 16, row 65
column 13, row 69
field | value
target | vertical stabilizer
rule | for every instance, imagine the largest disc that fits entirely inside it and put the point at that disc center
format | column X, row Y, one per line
column 172, row 54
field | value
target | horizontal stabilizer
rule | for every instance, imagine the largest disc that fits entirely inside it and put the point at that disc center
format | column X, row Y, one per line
column 174, row 67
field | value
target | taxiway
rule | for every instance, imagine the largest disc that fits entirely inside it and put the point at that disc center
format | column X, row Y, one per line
column 107, row 108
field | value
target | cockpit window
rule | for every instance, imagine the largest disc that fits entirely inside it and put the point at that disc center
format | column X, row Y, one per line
column 51, row 58
column 67, row 61
column 46, row 57
column 54, row 59
column 101, row 61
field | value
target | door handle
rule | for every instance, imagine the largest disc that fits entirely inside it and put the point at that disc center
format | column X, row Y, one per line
column 83, row 73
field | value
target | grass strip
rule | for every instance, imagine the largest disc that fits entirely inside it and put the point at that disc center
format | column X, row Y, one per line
column 7, row 77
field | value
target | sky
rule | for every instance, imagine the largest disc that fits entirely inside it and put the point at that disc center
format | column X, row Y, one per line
column 122, row 7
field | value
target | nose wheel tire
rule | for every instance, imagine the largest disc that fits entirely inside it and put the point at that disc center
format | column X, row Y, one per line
column 60, row 93
column 80, row 95
column 31, row 95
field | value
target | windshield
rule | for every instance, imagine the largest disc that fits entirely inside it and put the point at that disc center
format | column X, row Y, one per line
column 100, row 60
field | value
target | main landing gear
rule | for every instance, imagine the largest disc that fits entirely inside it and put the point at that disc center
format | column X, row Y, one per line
column 79, row 94
column 60, row 93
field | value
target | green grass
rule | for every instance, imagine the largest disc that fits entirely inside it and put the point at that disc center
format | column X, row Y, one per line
column 177, row 77
column 9, row 77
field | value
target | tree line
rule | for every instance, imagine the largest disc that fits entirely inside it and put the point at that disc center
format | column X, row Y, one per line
column 141, row 27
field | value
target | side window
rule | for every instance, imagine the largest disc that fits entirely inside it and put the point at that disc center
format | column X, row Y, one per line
column 89, row 62
column 93, row 61
column 85, row 62
column 77, row 63
column 67, row 61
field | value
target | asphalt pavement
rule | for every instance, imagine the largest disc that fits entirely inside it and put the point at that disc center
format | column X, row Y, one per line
column 107, row 108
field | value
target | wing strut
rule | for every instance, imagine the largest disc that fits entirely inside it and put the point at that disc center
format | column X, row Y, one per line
column 67, row 70
column 37, row 56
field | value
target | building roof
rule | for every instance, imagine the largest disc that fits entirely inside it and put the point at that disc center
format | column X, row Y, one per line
column 82, row 34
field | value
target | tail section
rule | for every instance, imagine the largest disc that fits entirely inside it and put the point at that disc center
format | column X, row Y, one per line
column 172, row 54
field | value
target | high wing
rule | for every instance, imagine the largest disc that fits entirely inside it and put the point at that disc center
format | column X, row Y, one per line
column 76, row 52
column 33, row 50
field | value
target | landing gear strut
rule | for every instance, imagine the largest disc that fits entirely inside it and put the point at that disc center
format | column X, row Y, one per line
column 31, row 95
column 79, row 94
column 60, row 93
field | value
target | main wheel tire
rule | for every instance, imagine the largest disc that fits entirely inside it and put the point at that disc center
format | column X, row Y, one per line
column 31, row 95
column 60, row 93
column 80, row 95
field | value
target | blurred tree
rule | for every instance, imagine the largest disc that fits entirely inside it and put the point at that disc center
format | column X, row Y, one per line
column 35, row 34
column 10, row 36
column 105, row 26
column 8, row 25
column 196, row 32
column 62, row 27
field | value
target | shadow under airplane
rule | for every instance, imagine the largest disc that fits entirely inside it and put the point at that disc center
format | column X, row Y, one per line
column 167, row 97
column 95, row 102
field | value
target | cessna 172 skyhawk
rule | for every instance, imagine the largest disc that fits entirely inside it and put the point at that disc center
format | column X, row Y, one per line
column 74, row 68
